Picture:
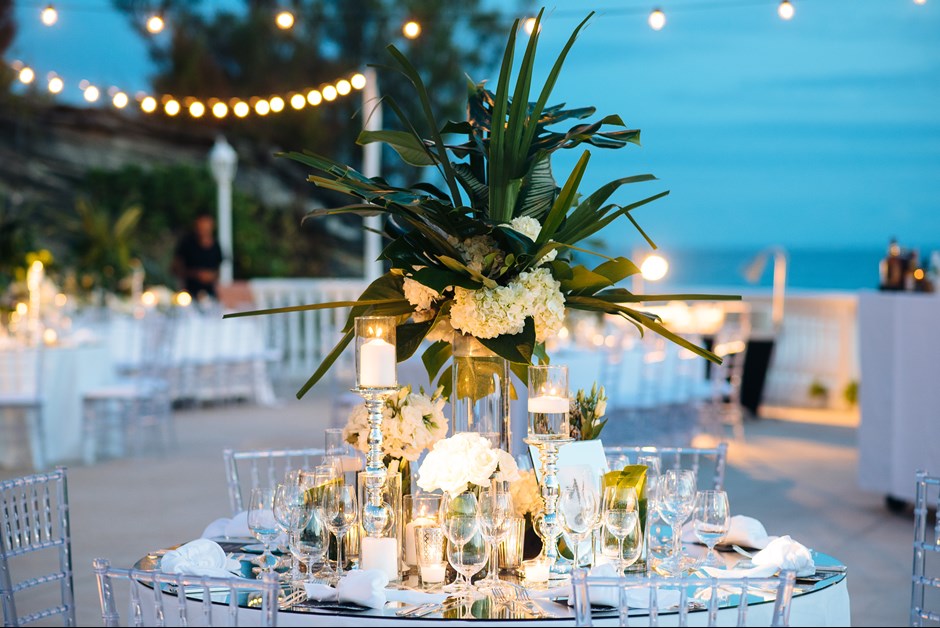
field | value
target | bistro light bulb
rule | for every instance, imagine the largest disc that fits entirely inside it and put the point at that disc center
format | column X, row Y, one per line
column 785, row 10
column 654, row 268
column 149, row 104
column 297, row 101
column 314, row 97
column 241, row 109
column 196, row 109
column 155, row 24
column 262, row 108
column 26, row 75
column 657, row 19
column 284, row 20
column 329, row 92
column 171, row 107
column 119, row 100
column 55, row 84
column 49, row 15
column 277, row 104
column 358, row 81
column 529, row 25
column 220, row 110
column 343, row 87
column 411, row 29
column 91, row 93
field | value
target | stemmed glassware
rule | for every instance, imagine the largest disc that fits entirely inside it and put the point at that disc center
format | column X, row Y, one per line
column 622, row 520
column 467, row 558
column 675, row 499
column 292, row 514
column 579, row 507
column 711, row 518
column 461, row 524
column 339, row 509
column 262, row 524
column 495, row 511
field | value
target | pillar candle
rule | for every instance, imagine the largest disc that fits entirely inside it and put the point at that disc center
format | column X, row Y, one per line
column 377, row 364
column 379, row 553
column 548, row 404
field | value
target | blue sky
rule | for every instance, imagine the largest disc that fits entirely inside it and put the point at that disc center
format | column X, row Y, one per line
column 823, row 131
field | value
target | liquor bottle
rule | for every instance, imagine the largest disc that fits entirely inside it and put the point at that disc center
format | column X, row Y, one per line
column 892, row 268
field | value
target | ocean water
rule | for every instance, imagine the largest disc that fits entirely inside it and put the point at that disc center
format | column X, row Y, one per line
column 808, row 269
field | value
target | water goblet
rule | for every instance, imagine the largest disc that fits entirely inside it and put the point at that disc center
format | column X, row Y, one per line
column 292, row 515
column 579, row 508
column 262, row 524
column 675, row 499
column 495, row 511
column 339, row 509
column 468, row 558
column 620, row 517
column 711, row 518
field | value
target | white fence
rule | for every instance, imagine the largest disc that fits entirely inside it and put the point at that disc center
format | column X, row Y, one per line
column 818, row 341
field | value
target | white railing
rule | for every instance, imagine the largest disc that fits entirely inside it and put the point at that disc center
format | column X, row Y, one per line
column 300, row 340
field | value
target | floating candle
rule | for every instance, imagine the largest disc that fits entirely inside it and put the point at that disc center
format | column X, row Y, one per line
column 548, row 404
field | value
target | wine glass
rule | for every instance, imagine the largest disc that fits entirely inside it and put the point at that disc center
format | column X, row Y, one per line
column 711, row 518
column 580, row 510
column 459, row 517
column 313, row 483
column 495, row 511
column 292, row 515
column 621, row 518
column 675, row 499
column 468, row 558
column 262, row 524
column 340, row 511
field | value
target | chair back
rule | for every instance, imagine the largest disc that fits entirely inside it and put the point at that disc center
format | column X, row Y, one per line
column 153, row 598
column 696, row 459
column 261, row 468
column 926, row 549
column 34, row 520
column 683, row 596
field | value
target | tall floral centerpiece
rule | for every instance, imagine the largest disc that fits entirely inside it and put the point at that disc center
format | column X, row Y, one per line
column 487, row 254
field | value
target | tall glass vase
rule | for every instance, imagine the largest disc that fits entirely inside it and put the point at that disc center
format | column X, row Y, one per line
column 480, row 398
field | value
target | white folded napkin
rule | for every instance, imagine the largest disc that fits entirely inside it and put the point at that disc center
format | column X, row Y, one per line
column 744, row 532
column 201, row 557
column 638, row 597
column 236, row 527
column 783, row 553
column 366, row 587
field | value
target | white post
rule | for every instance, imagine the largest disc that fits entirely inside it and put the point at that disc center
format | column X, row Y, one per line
column 222, row 161
column 780, row 287
column 371, row 167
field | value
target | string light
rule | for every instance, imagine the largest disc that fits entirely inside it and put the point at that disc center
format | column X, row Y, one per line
column 241, row 109
column 329, row 93
column 171, row 107
column 220, row 110
column 49, row 15
column 920, row 2
column 657, row 19
column 411, row 29
column 343, row 87
column 155, row 23
column 297, row 101
column 196, row 109
column 262, row 108
column 277, row 104
column 314, row 97
column 785, row 10
column 91, row 93
column 55, row 84
column 148, row 104
column 119, row 100
column 529, row 25
column 284, row 20
column 26, row 75
column 358, row 81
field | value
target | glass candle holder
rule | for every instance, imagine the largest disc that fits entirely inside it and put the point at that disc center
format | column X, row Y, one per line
column 548, row 403
column 418, row 509
column 375, row 352
column 429, row 549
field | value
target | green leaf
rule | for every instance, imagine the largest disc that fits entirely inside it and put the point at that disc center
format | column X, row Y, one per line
column 435, row 357
column 460, row 267
column 584, row 281
column 446, row 381
column 564, row 201
column 316, row 306
column 521, row 371
column 326, row 364
column 408, row 337
column 440, row 279
column 478, row 192
column 405, row 144
column 538, row 190
column 515, row 347
column 617, row 269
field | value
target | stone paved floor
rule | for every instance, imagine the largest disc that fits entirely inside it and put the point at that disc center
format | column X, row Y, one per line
column 798, row 478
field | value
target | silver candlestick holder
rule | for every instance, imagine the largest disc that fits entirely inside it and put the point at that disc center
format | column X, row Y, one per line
column 376, row 381
column 548, row 430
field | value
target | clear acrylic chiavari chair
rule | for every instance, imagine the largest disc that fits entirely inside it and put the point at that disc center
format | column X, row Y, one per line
column 262, row 468
column 684, row 597
column 924, row 587
column 699, row 460
column 155, row 600
column 21, row 424
column 34, row 529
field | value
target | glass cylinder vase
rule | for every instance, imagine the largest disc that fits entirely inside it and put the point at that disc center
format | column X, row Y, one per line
column 392, row 495
column 481, row 392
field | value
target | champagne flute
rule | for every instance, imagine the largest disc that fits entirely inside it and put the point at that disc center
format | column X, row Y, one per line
column 675, row 499
column 340, row 511
column 262, row 524
column 621, row 518
column 711, row 518
column 495, row 511
column 580, row 510
column 292, row 515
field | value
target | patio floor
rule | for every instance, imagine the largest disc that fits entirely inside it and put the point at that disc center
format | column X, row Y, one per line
column 798, row 478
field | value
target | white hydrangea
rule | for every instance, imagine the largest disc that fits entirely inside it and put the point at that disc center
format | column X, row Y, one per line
column 419, row 295
column 531, row 228
column 475, row 249
column 463, row 459
column 412, row 422
column 546, row 303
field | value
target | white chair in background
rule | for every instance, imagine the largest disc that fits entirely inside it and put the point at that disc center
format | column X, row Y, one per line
column 709, row 594
column 155, row 599
column 926, row 550
column 34, row 519
column 21, row 424
column 699, row 460
column 265, row 469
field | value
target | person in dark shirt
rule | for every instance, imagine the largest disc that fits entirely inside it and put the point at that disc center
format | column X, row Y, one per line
column 198, row 258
